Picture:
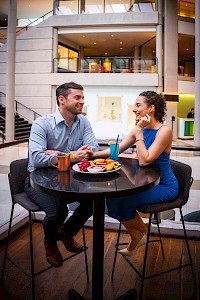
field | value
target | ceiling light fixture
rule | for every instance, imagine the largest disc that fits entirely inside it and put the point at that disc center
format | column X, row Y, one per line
column 121, row 48
column 112, row 35
column 95, row 43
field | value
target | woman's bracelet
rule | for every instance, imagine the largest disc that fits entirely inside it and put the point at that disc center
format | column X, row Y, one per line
column 139, row 140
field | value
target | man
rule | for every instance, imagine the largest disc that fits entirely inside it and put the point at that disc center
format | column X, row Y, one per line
column 65, row 130
column 191, row 114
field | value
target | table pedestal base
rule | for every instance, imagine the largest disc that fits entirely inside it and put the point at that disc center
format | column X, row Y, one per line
column 129, row 295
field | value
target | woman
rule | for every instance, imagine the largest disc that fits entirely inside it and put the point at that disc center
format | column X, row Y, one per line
column 153, row 142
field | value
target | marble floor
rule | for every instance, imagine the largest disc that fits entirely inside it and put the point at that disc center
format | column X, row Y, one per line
column 20, row 151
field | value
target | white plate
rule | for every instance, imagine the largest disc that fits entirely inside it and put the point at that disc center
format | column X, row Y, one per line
column 76, row 169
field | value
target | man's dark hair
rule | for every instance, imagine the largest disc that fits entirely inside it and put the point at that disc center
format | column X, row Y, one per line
column 64, row 89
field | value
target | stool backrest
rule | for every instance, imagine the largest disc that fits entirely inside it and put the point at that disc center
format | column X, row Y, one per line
column 17, row 175
column 183, row 174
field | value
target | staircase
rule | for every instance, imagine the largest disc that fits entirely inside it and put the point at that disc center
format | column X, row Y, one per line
column 22, row 127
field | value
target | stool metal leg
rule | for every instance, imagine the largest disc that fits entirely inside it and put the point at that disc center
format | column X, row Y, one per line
column 158, row 226
column 115, row 257
column 188, row 249
column 145, row 257
column 86, row 261
column 31, row 254
column 7, row 242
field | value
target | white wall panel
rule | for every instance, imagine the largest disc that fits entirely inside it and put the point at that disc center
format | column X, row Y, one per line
column 37, row 32
column 2, row 68
column 2, row 80
column 186, row 28
column 102, row 19
column 36, row 102
column 33, row 90
column 28, row 56
column 33, row 67
column 37, row 44
column 186, row 87
column 3, row 56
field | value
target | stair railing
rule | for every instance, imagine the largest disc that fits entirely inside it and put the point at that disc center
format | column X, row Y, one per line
column 37, row 21
column 2, row 134
column 30, row 114
column 21, row 110
column 33, row 23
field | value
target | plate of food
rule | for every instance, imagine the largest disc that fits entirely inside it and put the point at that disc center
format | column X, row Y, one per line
column 97, row 166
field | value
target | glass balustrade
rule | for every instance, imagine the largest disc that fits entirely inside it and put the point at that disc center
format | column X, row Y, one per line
column 105, row 65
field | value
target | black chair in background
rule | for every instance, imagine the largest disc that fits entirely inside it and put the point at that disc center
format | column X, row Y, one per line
column 17, row 175
column 183, row 174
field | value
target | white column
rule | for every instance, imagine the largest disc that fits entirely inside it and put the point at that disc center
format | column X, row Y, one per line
column 81, row 60
column 159, row 47
column 171, row 59
column 171, row 46
column 136, row 61
column 10, row 75
column 197, row 75
column 55, row 49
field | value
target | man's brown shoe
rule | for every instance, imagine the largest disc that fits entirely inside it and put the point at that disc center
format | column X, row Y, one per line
column 70, row 244
column 53, row 255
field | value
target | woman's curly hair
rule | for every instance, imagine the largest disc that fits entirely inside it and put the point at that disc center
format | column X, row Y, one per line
column 158, row 100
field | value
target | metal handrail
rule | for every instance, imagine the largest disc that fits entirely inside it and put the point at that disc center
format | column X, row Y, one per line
column 31, row 24
column 17, row 104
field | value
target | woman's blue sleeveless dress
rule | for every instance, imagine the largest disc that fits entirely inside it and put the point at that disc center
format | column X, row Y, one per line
column 123, row 208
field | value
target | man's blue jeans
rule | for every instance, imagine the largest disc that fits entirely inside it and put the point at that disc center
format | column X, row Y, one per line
column 56, row 211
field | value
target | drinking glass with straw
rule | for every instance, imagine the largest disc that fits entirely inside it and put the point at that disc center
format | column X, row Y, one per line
column 114, row 150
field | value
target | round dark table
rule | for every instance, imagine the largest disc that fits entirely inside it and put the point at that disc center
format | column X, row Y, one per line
column 128, row 180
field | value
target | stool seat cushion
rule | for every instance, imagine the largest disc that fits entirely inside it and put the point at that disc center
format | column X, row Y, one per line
column 25, row 202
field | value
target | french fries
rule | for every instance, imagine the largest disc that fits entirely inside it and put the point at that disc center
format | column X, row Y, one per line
column 99, row 161
column 108, row 163
column 110, row 166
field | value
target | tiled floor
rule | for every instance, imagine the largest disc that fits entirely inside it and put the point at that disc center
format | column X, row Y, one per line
column 20, row 151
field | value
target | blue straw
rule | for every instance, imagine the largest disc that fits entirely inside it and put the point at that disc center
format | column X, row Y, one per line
column 116, row 143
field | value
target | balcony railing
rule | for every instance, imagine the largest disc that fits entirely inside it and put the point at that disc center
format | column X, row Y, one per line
column 106, row 65
column 65, row 7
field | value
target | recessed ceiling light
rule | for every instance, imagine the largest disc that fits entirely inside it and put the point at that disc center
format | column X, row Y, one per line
column 121, row 43
column 121, row 48
column 95, row 43
column 106, row 53
column 83, row 36
column 187, row 49
column 112, row 35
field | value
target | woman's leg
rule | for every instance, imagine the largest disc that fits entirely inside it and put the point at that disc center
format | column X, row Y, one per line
column 136, row 228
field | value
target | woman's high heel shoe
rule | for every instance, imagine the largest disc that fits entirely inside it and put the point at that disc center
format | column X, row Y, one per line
column 127, row 252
